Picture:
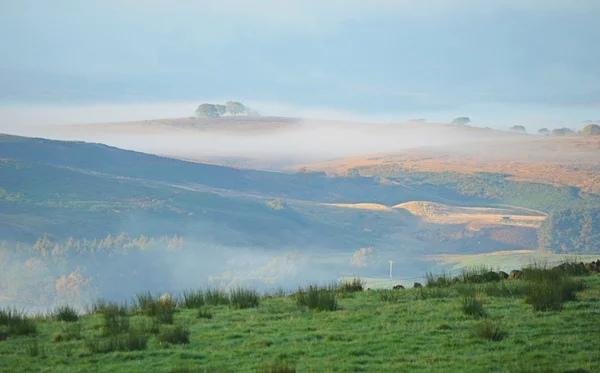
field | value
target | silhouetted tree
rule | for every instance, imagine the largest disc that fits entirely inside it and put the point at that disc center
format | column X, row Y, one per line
column 563, row 132
column 461, row 120
column 207, row 110
column 544, row 132
column 235, row 108
column 591, row 130
column 518, row 129
column 221, row 109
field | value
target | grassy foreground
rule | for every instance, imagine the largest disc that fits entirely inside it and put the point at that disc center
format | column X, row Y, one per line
column 464, row 327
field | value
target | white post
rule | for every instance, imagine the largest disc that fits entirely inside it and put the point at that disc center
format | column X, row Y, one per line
column 391, row 269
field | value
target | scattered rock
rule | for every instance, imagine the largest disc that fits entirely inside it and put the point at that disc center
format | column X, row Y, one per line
column 491, row 277
column 503, row 275
column 515, row 274
column 398, row 287
column 417, row 285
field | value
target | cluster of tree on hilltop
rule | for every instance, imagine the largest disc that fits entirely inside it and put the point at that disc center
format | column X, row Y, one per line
column 591, row 129
column 230, row 108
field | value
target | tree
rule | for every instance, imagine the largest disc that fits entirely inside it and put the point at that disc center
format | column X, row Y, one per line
column 221, row 109
column 518, row 129
column 591, row 130
column 563, row 132
column 544, row 132
column 461, row 120
column 235, row 108
column 207, row 110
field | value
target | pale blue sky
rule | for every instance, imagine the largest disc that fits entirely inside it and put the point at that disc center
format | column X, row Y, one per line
column 497, row 61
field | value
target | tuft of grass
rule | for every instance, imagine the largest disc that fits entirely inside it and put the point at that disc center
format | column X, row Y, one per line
column 161, row 308
column 193, row 299
column 244, row 298
column 65, row 313
column 389, row 296
column 16, row 322
column 101, row 305
column 431, row 292
column 280, row 367
column 34, row 349
column 552, row 294
column 491, row 331
column 317, row 298
column 216, row 297
column 355, row 285
column 438, row 281
column 505, row 289
column 471, row 306
column 114, row 322
column 134, row 339
column 204, row 314
column 178, row 334
column 68, row 332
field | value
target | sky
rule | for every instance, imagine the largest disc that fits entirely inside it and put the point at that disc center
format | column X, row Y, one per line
column 500, row 62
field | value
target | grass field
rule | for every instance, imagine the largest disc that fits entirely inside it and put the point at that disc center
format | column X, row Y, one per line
column 460, row 328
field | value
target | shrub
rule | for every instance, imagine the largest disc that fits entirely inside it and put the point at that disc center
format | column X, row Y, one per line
column 204, row 314
column 316, row 298
column 471, row 306
column 478, row 274
column 178, row 334
column 65, row 313
column 352, row 286
column 193, row 299
column 277, row 368
column 216, row 297
column 491, row 331
column 550, row 295
column 244, row 298
column 16, row 322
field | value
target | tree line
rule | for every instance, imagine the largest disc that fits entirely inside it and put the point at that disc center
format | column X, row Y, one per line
column 591, row 129
column 233, row 108
column 575, row 230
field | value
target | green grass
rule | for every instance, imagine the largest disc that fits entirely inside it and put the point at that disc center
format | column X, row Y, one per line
column 368, row 333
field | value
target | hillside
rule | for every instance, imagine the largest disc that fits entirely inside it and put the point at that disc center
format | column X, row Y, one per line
column 512, row 325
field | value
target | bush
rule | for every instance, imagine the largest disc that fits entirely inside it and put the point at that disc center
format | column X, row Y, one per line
column 316, row 298
column 471, row 306
column 278, row 368
column 16, row 322
column 65, row 313
column 193, row 299
column 244, row 298
column 216, row 297
column 355, row 285
column 178, row 334
column 491, row 331
column 551, row 295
